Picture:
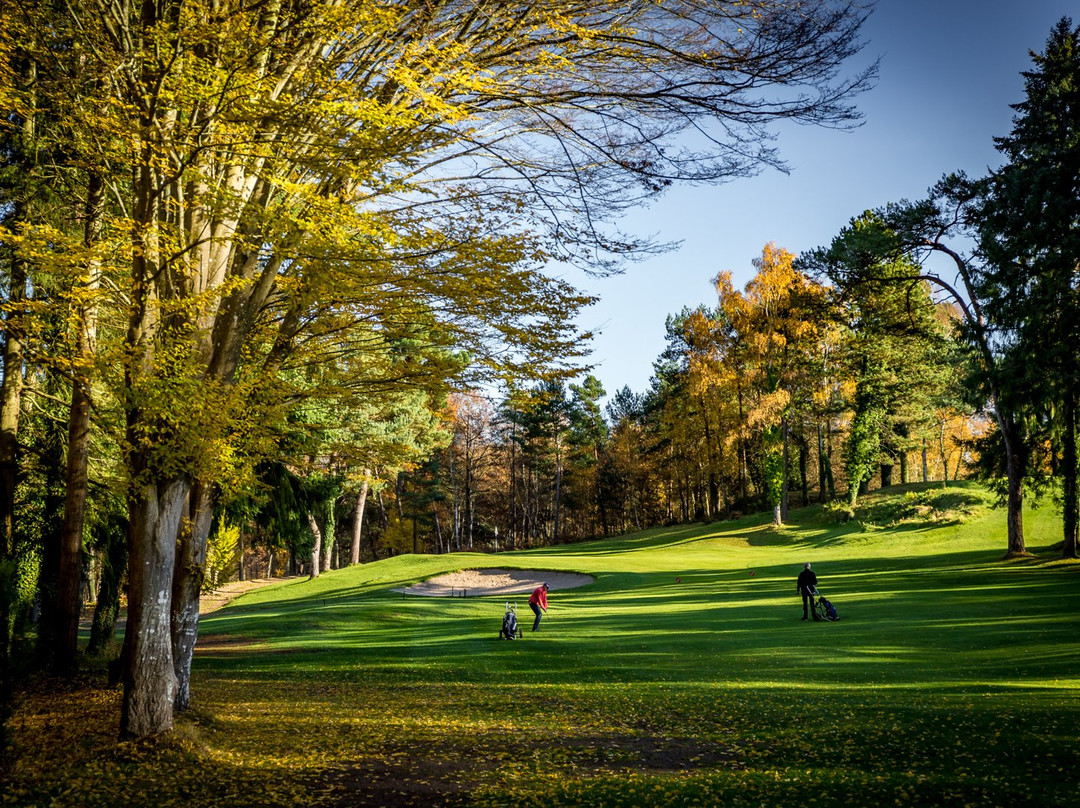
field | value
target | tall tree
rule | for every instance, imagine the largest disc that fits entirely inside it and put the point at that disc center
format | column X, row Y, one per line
column 20, row 141
column 763, row 350
column 472, row 445
column 912, row 231
column 588, row 437
column 285, row 165
column 899, row 358
column 714, row 375
column 1029, row 228
column 625, row 472
column 785, row 333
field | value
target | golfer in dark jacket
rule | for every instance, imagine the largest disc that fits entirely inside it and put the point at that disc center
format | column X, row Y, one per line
column 805, row 585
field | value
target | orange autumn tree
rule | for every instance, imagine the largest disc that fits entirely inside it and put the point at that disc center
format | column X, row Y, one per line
column 715, row 386
column 762, row 357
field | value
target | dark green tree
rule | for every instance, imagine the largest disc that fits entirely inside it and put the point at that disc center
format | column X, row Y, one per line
column 916, row 231
column 588, row 442
column 107, row 538
column 1029, row 229
column 897, row 349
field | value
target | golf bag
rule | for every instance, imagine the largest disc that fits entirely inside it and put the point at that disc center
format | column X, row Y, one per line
column 823, row 609
column 510, row 629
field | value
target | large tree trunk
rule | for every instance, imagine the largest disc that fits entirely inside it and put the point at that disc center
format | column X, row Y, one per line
column 1014, row 473
column 155, row 503
column 187, row 584
column 70, row 562
column 316, row 548
column 50, row 628
column 11, row 396
column 70, row 573
column 329, row 540
column 1071, row 515
column 786, row 439
column 358, row 523
column 149, row 677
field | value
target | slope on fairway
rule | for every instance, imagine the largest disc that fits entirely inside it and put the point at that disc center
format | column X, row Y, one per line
column 682, row 675
column 919, row 603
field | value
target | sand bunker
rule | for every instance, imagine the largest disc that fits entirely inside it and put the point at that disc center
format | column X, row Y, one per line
column 474, row 583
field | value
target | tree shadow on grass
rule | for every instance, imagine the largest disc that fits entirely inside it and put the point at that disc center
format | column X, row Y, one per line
column 701, row 586
column 655, row 539
column 437, row 774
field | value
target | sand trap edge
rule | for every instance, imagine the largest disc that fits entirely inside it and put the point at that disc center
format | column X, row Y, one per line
column 491, row 581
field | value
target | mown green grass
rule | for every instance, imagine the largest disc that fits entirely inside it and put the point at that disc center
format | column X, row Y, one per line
column 952, row 678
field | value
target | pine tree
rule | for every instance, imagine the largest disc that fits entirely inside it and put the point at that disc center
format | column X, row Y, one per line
column 905, row 234
column 900, row 359
column 1030, row 234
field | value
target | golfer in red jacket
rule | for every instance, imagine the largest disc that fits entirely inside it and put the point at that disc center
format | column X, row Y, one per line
column 538, row 602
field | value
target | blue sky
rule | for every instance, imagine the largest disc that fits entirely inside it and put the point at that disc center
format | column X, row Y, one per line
column 949, row 71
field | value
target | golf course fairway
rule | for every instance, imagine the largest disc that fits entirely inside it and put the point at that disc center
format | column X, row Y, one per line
column 683, row 675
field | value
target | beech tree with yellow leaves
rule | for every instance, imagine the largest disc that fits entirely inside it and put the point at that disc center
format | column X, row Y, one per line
column 278, row 164
column 786, row 315
column 761, row 349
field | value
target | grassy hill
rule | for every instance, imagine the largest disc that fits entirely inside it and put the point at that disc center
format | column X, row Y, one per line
column 682, row 676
